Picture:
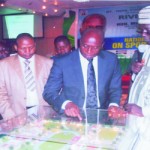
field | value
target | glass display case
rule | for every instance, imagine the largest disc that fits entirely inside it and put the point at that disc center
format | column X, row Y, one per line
column 59, row 132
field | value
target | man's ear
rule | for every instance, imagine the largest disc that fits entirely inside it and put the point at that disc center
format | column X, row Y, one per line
column 15, row 47
column 103, row 45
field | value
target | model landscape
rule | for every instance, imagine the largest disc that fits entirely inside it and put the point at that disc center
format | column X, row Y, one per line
column 62, row 135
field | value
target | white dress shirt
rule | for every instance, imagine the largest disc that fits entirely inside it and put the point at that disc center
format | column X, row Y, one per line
column 84, row 65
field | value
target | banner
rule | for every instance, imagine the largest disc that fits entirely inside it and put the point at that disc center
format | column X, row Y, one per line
column 121, row 26
column 122, row 43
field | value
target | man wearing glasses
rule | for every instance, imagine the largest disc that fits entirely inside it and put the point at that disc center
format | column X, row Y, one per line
column 97, row 21
column 93, row 21
column 141, row 57
column 138, row 135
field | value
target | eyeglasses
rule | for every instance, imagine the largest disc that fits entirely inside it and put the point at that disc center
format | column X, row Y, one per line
column 145, row 31
column 97, row 27
column 90, row 47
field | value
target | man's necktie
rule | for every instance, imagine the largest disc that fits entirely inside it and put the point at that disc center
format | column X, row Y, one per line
column 29, row 79
column 91, row 101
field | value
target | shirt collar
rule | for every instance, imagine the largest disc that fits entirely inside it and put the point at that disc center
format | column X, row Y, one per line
column 23, row 59
column 84, row 59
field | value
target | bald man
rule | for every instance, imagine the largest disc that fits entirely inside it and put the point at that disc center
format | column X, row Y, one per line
column 97, row 21
column 93, row 21
column 66, row 87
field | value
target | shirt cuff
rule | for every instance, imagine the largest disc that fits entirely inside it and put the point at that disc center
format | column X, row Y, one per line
column 113, row 104
column 64, row 104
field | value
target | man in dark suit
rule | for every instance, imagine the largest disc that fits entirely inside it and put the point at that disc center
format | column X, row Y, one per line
column 93, row 21
column 97, row 21
column 66, row 87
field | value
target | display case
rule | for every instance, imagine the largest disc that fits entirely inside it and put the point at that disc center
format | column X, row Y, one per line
column 59, row 132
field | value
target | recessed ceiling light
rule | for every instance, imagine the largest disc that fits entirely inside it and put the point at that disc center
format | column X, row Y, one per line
column 2, row 5
column 43, row 7
column 55, row 10
column 46, row 14
column 55, row 3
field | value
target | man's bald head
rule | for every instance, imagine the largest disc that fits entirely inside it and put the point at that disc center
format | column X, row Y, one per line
column 93, row 21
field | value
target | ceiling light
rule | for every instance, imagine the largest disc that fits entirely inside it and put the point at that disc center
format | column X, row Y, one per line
column 55, row 10
column 55, row 3
column 43, row 7
column 2, row 5
column 46, row 14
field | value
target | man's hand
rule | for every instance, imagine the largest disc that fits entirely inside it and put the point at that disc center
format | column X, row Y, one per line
column 7, row 125
column 116, row 112
column 134, row 109
column 136, row 67
column 20, row 120
column 10, row 124
column 72, row 110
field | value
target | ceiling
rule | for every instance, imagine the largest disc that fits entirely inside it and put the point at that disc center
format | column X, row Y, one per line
column 58, row 7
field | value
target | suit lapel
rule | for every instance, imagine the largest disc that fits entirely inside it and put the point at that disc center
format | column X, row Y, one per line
column 101, row 71
column 16, row 77
column 17, row 67
column 37, row 66
column 77, row 67
column 79, row 77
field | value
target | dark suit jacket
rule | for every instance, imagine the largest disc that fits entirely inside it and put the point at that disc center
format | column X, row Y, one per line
column 66, row 74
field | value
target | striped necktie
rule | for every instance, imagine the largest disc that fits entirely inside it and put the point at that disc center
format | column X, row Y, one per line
column 29, row 79
column 91, row 101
